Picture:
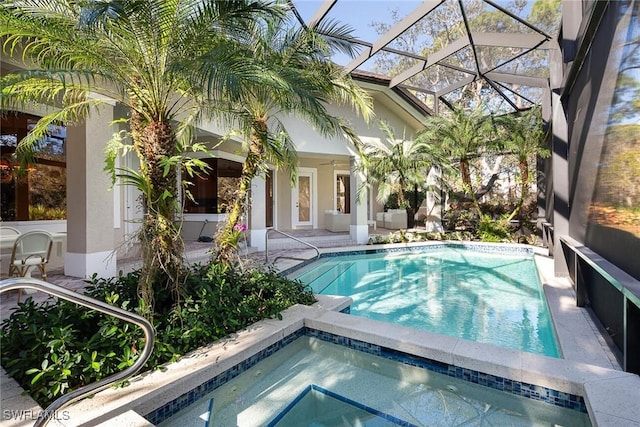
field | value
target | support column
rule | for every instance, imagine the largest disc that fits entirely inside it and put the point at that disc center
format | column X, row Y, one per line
column 571, row 21
column 561, row 208
column 90, row 216
column 559, row 164
column 257, row 213
column 359, row 229
column 433, row 204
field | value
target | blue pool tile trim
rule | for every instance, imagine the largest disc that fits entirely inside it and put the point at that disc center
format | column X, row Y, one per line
column 208, row 423
column 476, row 247
column 359, row 405
column 307, row 390
column 531, row 391
column 173, row 407
column 290, row 406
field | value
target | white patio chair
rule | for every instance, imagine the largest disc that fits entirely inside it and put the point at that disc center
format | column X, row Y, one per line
column 6, row 231
column 31, row 249
column 8, row 237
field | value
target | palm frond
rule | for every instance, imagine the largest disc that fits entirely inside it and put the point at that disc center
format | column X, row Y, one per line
column 72, row 113
column 281, row 151
column 338, row 36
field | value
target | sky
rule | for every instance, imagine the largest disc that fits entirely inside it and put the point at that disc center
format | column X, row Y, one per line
column 359, row 14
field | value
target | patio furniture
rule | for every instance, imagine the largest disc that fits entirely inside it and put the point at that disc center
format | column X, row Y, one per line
column 8, row 236
column 30, row 250
column 336, row 221
column 6, row 231
column 395, row 219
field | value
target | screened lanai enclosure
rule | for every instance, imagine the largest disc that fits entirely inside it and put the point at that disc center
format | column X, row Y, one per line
column 452, row 53
column 578, row 60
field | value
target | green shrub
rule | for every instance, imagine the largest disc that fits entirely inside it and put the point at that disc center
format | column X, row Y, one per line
column 460, row 219
column 40, row 212
column 420, row 236
column 57, row 346
column 490, row 230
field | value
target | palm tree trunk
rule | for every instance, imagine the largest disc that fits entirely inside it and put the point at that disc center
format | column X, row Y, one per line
column 466, row 176
column 523, row 165
column 161, row 245
column 226, row 249
column 466, row 183
column 401, row 197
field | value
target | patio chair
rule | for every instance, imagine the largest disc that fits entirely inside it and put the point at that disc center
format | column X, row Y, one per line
column 6, row 231
column 8, row 236
column 31, row 249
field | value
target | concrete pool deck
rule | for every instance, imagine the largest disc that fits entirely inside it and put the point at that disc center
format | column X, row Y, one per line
column 589, row 367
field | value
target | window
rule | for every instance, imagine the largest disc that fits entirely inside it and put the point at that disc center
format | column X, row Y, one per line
column 40, row 192
column 213, row 192
column 343, row 193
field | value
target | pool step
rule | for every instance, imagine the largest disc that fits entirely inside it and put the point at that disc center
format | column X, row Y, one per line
column 324, row 275
column 318, row 241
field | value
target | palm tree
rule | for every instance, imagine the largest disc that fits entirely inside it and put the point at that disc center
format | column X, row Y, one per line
column 462, row 136
column 307, row 81
column 172, row 63
column 524, row 137
column 395, row 165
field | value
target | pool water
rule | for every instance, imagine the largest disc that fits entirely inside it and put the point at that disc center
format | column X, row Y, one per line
column 311, row 382
column 492, row 298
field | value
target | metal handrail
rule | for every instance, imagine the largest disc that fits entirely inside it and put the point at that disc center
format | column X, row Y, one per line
column 60, row 292
column 275, row 230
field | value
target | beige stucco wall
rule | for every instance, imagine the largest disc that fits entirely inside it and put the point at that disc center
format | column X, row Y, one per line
column 116, row 210
column 316, row 151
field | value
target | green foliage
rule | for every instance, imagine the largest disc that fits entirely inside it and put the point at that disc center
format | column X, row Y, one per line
column 39, row 212
column 461, row 219
column 82, row 56
column 469, row 228
column 395, row 165
column 57, row 346
column 618, row 181
column 308, row 81
column 464, row 137
column 404, row 236
column 490, row 230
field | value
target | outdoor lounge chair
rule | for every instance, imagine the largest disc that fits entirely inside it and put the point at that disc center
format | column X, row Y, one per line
column 395, row 219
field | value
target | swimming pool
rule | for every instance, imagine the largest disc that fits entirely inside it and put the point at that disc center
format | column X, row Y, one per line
column 481, row 293
column 314, row 382
column 609, row 394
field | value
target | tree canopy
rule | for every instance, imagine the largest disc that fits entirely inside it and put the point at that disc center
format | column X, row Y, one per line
column 171, row 63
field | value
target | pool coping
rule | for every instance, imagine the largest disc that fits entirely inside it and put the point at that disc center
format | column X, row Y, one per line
column 408, row 247
column 610, row 395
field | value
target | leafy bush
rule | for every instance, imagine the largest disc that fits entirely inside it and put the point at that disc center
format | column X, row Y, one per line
column 40, row 212
column 404, row 236
column 460, row 219
column 56, row 346
column 490, row 230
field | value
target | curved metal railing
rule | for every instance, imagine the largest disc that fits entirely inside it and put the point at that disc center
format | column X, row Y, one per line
column 60, row 292
column 266, row 246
